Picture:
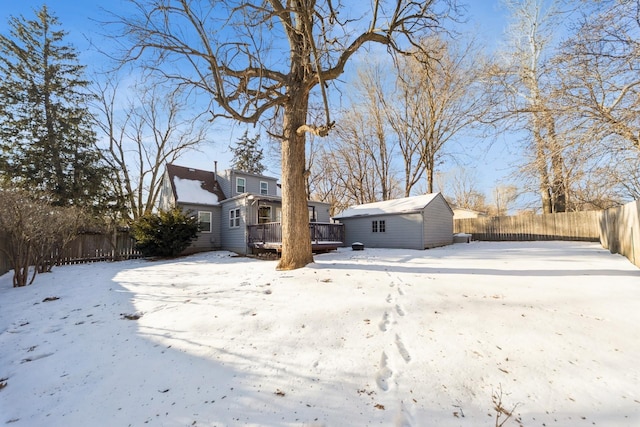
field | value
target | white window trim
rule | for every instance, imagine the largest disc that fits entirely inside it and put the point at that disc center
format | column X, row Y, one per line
column 266, row 187
column 234, row 218
column 210, row 221
column 244, row 184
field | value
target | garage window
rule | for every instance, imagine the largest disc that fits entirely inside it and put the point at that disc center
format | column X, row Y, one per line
column 378, row 226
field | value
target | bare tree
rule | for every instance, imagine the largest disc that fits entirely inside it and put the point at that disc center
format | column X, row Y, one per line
column 374, row 138
column 32, row 230
column 601, row 86
column 607, row 178
column 350, row 155
column 143, row 133
column 261, row 58
column 600, row 95
column 602, row 72
column 523, row 80
column 438, row 98
column 325, row 181
column 503, row 197
column 461, row 185
column 360, row 153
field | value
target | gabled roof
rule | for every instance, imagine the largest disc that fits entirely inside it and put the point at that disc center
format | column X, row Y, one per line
column 396, row 206
column 194, row 185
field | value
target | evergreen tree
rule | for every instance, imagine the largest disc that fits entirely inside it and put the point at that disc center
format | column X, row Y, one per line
column 247, row 154
column 166, row 233
column 46, row 139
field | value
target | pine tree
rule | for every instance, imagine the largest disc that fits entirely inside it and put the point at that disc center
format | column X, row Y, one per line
column 46, row 139
column 247, row 154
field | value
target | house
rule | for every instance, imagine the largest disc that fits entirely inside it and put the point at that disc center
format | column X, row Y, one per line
column 240, row 211
column 418, row 222
column 197, row 191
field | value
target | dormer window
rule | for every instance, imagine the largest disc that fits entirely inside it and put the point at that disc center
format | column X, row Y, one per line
column 241, row 185
column 264, row 187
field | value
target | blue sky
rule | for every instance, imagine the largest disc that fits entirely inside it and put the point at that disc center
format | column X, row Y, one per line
column 81, row 20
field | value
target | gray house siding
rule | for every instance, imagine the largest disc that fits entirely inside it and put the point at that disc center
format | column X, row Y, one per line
column 234, row 238
column 322, row 211
column 438, row 224
column 206, row 241
column 227, row 180
column 401, row 231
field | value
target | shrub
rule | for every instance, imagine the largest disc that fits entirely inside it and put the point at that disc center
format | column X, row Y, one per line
column 31, row 231
column 165, row 234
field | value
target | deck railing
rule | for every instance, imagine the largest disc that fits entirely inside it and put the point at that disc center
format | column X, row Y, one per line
column 271, row 232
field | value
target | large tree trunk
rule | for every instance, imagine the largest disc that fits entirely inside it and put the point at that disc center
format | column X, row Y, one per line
column 296, row 238
column 541, row 165
column 558, row 188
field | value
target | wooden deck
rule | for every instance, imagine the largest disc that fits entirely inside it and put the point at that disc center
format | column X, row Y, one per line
column 324, row 236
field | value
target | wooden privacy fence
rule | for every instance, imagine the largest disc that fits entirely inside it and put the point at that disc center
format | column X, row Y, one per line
column 88, row 248
column 97, row 247
column 617, row 229
column 620, row 231
column 582, row 226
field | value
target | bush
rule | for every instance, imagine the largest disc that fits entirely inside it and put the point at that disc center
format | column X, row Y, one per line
column 32, row 231
column 165, row 234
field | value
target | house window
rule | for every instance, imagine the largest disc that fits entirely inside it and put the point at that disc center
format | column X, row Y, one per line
column 264, row 187
column 264, row 214
column 234, row 218
column 312, row 214
column 378, row 226
column 278, row 214
column 204, row 221
column 241, row 185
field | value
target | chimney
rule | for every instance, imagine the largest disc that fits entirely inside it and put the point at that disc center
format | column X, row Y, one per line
column 215, row 170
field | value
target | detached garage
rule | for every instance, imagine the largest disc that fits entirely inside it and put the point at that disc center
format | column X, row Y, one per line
column 419, row 222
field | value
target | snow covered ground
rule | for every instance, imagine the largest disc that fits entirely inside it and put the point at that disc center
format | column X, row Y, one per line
column 359, row 338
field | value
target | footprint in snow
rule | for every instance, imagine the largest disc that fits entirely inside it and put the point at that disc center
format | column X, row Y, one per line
column 404, row 417
column 386, row 320
column 36, row 357
column 400, row 310
column 402, row 349
column 384, row 373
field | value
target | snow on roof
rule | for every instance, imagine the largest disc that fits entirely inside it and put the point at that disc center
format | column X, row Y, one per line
column 403, row 205
column 191, row 191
